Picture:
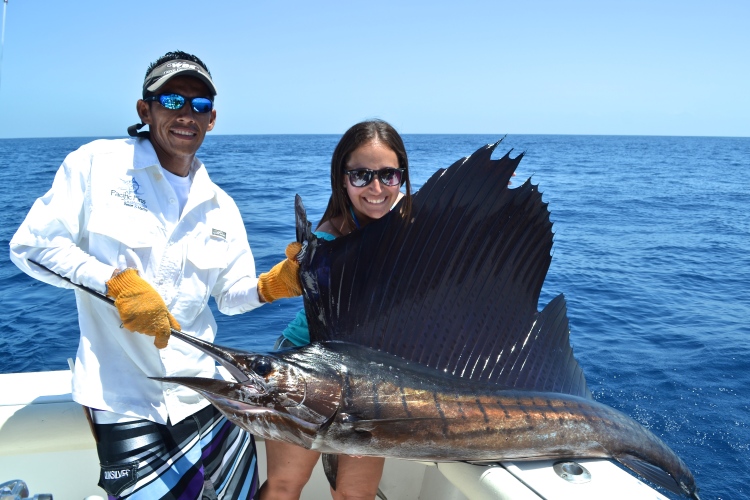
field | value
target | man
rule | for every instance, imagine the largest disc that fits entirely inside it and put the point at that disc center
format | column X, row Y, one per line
column 140, row 220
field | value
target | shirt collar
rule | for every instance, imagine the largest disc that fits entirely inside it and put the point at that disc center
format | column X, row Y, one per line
column 145, row 156
column 202, row 188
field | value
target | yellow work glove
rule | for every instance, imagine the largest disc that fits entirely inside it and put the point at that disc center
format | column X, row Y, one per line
column 141, row 307
column 282, row 281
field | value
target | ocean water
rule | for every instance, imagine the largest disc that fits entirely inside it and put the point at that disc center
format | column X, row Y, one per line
column 652, row 250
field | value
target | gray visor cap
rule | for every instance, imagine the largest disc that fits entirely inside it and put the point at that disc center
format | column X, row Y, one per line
column 178, row 67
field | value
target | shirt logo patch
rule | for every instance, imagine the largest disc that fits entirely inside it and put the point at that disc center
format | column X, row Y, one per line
column 130, row 192
column 217, row 233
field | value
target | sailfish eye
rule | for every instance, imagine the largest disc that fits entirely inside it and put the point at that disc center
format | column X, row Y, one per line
column 262, row 367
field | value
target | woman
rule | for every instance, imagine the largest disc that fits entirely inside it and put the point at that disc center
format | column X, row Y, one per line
column 368, row 168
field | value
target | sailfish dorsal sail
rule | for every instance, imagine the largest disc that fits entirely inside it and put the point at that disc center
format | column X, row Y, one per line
column 454, row 285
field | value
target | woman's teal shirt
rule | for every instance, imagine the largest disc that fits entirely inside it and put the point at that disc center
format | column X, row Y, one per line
column 297, row 331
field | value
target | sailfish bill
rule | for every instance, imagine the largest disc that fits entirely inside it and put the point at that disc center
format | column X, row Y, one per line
column 427, row 343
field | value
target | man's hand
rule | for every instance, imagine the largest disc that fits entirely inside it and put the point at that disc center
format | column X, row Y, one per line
column 141, row 307
column 282, row 281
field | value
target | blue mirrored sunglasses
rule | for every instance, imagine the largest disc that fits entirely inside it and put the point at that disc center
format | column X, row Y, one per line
column 361, row 177
column 176, row 101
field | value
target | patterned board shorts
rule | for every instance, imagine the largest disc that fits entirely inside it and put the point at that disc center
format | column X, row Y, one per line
column 203, row 457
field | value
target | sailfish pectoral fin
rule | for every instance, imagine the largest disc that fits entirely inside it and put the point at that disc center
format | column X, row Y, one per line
column 406, row 423
column 364, row 431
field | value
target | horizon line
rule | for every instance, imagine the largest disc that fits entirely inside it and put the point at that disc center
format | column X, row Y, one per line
column 505, row 134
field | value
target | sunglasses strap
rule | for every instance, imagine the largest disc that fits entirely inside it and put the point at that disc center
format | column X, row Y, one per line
column 133, row 131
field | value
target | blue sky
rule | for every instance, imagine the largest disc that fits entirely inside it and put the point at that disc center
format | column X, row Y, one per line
column 575, row 67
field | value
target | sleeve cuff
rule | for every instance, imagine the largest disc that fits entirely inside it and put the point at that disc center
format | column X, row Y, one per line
column 95, row 275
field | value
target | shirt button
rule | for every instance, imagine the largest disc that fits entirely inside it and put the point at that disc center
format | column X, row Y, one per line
column 172, row 201
column 158, row 177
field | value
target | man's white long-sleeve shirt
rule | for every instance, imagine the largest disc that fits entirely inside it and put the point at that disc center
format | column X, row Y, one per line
column 110, row 207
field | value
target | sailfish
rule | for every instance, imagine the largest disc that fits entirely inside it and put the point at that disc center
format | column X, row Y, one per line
column 427, row 342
